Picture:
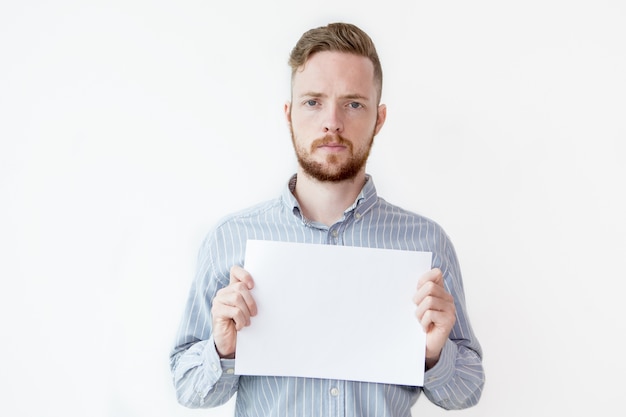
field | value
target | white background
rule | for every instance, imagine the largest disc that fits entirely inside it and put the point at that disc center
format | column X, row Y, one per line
column 127, row 128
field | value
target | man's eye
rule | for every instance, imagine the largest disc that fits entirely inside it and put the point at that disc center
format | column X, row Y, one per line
column 355, row 105
column 311, row 103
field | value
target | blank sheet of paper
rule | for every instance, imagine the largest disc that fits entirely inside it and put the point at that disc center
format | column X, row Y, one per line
column 333, row 312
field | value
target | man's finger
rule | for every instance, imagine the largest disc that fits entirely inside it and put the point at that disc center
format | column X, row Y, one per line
column 434, row 275
column 238, row 274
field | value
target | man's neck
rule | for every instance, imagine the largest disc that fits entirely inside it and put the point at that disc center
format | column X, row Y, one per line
column 325, row 202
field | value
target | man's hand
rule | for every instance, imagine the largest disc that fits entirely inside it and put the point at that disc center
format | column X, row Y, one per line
column 232, row 308
column 436, row 312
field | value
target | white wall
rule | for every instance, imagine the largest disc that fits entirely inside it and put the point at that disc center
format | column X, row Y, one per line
column 127, row 128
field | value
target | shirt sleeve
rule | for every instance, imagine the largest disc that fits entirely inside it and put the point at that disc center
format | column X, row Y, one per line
column 457, row 380
column 201, row 379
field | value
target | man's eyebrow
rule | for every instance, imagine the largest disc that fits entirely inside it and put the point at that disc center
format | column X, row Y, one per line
column 312, row 94
column 353, row 96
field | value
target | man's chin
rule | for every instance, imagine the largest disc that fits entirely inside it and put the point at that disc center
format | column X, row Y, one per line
column 331, row 174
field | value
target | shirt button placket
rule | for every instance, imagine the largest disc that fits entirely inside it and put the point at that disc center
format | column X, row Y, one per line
column 337, row 399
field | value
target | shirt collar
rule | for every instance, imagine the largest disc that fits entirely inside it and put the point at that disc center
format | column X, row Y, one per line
column 363, row 203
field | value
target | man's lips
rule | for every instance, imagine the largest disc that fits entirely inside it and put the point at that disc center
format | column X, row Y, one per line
column 332, row 146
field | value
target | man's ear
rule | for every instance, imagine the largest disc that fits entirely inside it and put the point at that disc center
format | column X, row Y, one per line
column 287, row 111
column 380, row 118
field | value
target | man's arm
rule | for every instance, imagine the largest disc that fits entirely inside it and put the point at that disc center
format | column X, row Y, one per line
column 202, row 377
column 455, row 377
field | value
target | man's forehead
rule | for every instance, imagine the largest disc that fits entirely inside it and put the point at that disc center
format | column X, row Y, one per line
column 324, row 58
column 349, row 72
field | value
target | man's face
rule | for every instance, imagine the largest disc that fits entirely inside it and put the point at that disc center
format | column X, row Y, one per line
column 334, row 115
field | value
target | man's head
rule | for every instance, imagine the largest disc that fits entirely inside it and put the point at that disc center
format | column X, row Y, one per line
column 334, row 112
column 337, row 37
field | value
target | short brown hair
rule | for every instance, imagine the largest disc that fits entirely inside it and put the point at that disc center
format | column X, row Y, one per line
column 337, row 37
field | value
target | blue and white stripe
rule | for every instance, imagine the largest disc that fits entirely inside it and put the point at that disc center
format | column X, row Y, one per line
column 202, row 379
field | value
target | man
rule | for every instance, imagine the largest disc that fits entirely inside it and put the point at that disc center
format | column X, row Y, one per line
column 334, row 114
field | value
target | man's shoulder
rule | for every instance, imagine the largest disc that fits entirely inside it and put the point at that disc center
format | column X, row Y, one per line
column 407, row 214
column 251, row 212
column 239, row 224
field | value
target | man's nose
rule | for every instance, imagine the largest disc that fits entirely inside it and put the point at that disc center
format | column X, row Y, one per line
column 333, row 122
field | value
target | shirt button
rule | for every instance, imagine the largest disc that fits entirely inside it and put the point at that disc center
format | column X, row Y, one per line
column 334, row 392
column 335, row 233
column 214, row 367
column 357, row 215
column 230, row 371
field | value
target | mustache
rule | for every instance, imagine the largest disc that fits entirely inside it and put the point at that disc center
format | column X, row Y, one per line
column 328, row 139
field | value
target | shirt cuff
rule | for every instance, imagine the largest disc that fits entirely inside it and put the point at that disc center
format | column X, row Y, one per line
column 443, row 371
column 216, row 367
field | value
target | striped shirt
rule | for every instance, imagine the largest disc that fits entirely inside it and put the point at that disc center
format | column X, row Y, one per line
column 202, row 379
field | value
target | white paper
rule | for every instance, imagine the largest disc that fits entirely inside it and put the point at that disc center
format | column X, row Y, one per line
column 333, row 312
